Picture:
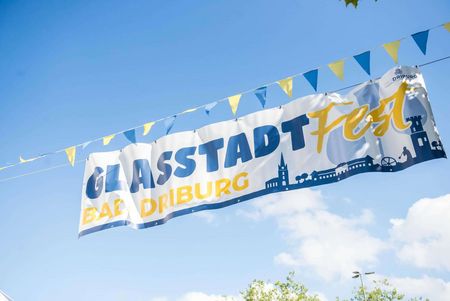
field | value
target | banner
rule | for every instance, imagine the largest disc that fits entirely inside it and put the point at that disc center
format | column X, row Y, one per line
column 380, row 126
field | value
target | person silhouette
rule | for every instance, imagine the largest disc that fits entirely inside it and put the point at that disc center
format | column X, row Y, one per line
column 406, row 153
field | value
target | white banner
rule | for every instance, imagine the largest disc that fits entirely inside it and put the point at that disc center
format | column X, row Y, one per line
column 385, row 126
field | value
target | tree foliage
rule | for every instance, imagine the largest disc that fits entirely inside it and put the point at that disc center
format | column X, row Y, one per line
column 354, row 2
column 289, row 290
column 382, row 291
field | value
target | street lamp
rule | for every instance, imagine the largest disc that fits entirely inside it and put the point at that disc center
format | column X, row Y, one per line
column 357, row 274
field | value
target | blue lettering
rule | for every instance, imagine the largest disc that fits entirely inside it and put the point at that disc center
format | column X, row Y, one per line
column 210, row 149
column 189, row 164
column 165, row 168
column 259, row 137
column 94, row 184
column 295, row 127
column 237, row 148
column 142, row 174
column 112, row 178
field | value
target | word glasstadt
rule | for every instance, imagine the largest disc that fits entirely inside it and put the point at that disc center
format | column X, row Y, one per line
column 266, row 140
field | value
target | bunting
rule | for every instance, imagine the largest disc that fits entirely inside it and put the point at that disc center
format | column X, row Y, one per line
column 169, row 122
column 107, row 139
column 311, row 77
column 421, row 39
column 234, row 102
column 261, row 94
column 392, row 49
column 363, row 60
column 71, row 152
column 188, row 111
column 130, row 135
column 209, row 107
column 447, row 26
column 338, row 68
column 286, row 85
column 147, row 127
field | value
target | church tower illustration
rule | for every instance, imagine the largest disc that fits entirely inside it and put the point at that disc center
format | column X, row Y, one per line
column 282, row 181
column 419, row 138
column 283, row 174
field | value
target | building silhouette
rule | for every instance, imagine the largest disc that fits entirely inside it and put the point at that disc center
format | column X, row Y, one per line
column 423, row 148
column 283, row 176
column 419, row 138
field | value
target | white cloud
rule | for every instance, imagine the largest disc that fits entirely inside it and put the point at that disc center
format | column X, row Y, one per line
column 206, row 216
column 434, row 289
column 329, row 244
column 423, row 237
column 199, row 296
column 159, row 299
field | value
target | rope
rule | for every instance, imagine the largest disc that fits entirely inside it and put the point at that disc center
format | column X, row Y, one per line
column 78, row 161
column 182, row 113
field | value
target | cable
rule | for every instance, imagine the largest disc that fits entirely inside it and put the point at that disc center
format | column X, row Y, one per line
column 421, row 65
column 181, row 113
column 435, row 61
column 78, row 161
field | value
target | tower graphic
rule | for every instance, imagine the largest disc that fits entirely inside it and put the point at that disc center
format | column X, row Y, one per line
column 419, row 138
column 283, row 174
column 282, row 181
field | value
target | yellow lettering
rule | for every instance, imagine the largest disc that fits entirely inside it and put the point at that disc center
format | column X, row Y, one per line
column 236, row 185
column 89, row 215
column 162, row 202
column 184, row 194
column 198, row 191
column 105, row 211
column 353, row 120
column 323, row 129
column 117, row 204
column 222, row 186
column 172, row 197
column 144, row 203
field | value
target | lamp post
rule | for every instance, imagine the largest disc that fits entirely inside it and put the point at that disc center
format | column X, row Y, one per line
column 359, row 275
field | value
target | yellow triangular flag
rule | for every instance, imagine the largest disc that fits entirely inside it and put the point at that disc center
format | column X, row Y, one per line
column 234, row 102
column 286, row 85
column 147, row 127
column 338, row 68
column 392, row 49
column 107, row 139
column 188, row 111
column 447, row 26
column 70, row 152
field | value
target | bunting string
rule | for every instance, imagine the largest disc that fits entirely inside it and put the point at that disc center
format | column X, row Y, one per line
column 82, row 160
column 286, row 84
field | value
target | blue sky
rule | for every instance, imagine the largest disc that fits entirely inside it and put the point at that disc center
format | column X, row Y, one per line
column 71, row 71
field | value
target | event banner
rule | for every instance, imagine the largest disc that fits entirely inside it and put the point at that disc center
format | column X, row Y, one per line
column 380, row 126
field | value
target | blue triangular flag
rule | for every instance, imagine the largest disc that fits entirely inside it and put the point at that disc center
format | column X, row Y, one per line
column 168, row 123
column 261, row 94
column 130, row 135
column 421, row 39
column 363, row 60
column 209, row 107
column 311, row 77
